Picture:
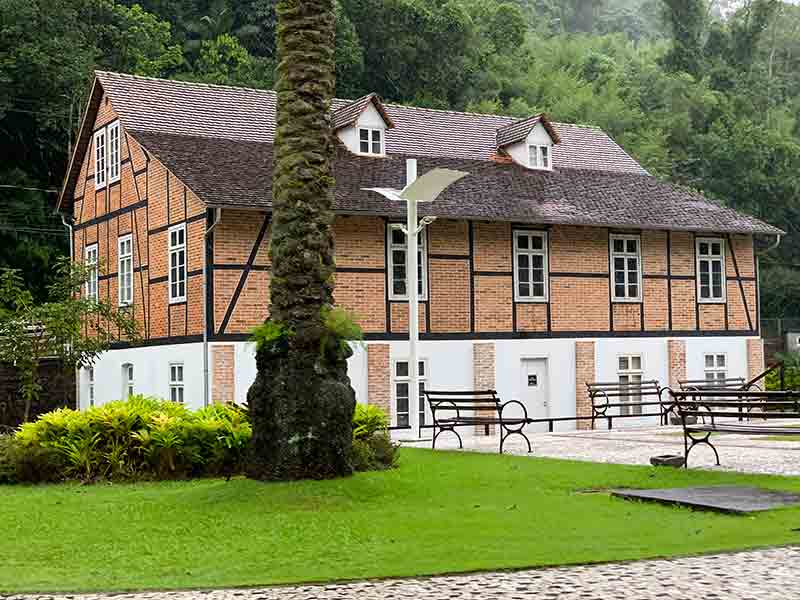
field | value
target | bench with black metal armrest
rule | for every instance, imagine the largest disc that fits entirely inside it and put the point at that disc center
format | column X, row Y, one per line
column 474, row 408
column 729, row 383
column 722, row 411
column 608, row 394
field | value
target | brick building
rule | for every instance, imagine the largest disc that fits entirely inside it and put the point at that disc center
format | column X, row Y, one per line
column 558, row 260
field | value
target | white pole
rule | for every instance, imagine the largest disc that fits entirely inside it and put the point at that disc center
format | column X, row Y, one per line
column 413, row 305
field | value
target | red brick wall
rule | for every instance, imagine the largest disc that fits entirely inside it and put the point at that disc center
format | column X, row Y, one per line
column 378, row 373
column 223, row 369
column 676, row 362
column 457, row 302
column 584, row 372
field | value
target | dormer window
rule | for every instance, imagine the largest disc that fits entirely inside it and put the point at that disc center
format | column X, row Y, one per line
column 538, row 157
column 370, row 141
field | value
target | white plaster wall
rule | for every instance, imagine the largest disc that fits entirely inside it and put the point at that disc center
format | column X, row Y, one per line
column 734, row 347
column 245, row 369
column 369, row 118
column 151, row 373
column 538, row 136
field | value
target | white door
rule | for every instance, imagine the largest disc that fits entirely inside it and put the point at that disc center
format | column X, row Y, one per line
column 534, row 394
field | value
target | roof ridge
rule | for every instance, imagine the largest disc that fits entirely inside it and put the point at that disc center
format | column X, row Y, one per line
column 451, row 111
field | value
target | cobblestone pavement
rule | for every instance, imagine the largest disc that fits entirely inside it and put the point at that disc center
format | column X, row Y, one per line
column 635, row 446
column 770, row 574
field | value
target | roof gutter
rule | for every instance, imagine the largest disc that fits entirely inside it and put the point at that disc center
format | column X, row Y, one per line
column 772, row 246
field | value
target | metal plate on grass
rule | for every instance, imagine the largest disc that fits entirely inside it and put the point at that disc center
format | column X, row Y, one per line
column 724, row 498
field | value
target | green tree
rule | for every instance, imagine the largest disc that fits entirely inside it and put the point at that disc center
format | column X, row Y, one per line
column 68, row 325
column 301, row 402
column 687, row 20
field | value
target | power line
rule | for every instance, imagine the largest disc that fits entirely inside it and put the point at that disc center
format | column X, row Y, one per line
column 30, row 189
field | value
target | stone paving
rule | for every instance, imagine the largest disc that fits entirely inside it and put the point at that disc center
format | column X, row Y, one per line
column 748, row 454
column 769, row 574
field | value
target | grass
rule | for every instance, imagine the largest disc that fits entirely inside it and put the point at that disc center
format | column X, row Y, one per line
column 439, row 512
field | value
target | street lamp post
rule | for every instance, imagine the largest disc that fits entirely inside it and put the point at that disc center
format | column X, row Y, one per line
column 423, row 189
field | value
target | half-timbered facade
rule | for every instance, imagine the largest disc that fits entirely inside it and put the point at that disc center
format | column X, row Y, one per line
column 557, row 261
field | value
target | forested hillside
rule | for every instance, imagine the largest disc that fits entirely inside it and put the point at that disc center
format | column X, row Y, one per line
column 705, row 95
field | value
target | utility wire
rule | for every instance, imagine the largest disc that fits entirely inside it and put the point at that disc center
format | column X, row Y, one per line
column 30, row 189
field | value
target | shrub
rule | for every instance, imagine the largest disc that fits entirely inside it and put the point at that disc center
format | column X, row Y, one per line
column 139, row 438
column 146, row 438
column 368, row 420
column 375, row 453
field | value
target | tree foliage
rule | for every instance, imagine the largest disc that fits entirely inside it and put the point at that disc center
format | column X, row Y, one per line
column 703, row 93
column 68, row 325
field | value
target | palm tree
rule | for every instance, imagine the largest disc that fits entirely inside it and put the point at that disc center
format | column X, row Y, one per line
column 301, row 402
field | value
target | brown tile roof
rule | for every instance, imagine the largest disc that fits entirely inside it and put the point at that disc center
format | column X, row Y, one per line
column 218, row 139
column 239, row 174
column 519, row 130
column 349, row 113
column 204, row 110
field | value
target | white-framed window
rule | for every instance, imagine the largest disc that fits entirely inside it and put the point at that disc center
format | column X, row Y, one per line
column 398, row 252
column 530, row 266
column 100, row 159
column 539, row 157
column 106, row 155
column 626, row 265
column 400, row 391
column 113, row 152
column 176, row 382
column 125, row 270
column 90, row 385
column 710, row 269
column 370, row 141
column 90, row 260
column 177, row 263
column 715, row 367
column 128, row 382
column 630, row 371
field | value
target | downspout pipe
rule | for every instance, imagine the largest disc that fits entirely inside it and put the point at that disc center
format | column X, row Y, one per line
column 209, row 229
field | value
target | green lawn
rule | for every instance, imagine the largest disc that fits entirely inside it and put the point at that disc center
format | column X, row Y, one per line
column 439, row 512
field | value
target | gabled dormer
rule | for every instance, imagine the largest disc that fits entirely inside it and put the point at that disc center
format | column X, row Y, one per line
column 362, row 124
column 529, row 142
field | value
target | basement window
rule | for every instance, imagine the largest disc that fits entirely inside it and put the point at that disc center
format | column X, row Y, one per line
column 176, row 382
column 629, row 371
column 716, row 367
column 128, row 387
column 400, row 389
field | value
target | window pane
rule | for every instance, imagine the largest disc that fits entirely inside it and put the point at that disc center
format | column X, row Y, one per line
column 376, row 147
column 709, row 360
column 537, row 261
column 523, row 275
column 630, row 246
column 633, row 267
column 364, row 147
column 533, row 156
column 704, row 248
column 636, row 363
column 716, row 249
column 619, row 290
column 619, row 264
column 522, row 242
column 538, row 290
column 623, row 363
column 633, row 290
column 421, row 370
column 545, row 157
column 524, row 290
column 376, row 136
column 398, row 237
column 363, row 134
column 522, row 261
column 619, row 245
column 619, row 277
column 720, row 360
column 401, row 369
column 537, row 242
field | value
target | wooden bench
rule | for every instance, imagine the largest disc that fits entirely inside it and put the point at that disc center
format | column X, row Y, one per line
column 605, row 395
column 474, row 408
column 726, row 411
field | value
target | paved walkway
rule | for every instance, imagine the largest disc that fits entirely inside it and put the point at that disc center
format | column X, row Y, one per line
column 770, row 574
column 748, row 454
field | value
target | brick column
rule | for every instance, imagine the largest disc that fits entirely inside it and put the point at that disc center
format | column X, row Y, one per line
column 378, row 384
column 483, row 363
column 584, row 373
column 755, row 358
column 676, row 361
column 223, row 369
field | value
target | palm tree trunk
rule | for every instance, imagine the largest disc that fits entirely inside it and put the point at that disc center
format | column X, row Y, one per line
column 301, row 402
